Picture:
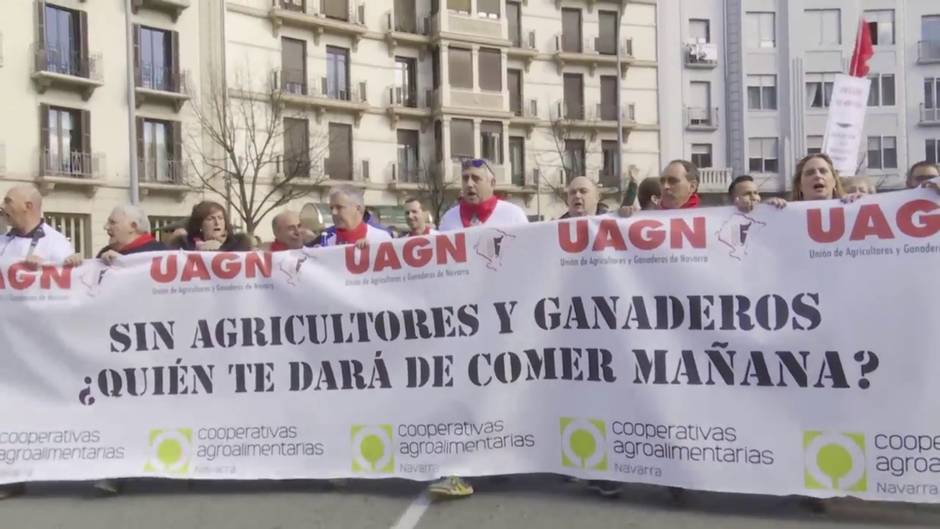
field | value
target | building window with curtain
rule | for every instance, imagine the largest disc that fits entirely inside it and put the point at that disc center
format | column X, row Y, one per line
column 702, row 155
column 65, row 141
column 760, row 30
column 491, row 141
column 64, row 41
column 762, row 92
column 491, row 69
column 156, row 68
column 574, row 159
column 461, row 139
column 460, row 66
column 336, row 84
column 517, row 160
column 762, row 155
column 296, row 148
column 819, row 89
column 488, row 9
column 293, row 66
column 882, row 152
column 881, row 93
column 408, row 155
column 610, row 175
column 823, row 27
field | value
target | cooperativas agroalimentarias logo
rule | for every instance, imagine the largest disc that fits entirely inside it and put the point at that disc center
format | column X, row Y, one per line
column 583, row 443
column 834, row 461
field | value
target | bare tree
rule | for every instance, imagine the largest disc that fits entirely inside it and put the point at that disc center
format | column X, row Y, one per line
column 434, row 191
column 238, row 151
column 558, row 158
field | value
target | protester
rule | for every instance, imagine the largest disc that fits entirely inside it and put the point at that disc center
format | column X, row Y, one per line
column 288, row 231
column 583, row 198
column 678, row 189
column 347, row 206
column 128, row 231
column 921, row 172
column 858, row 184
column 417, row 218
column 30, row 238
column 209, row 230
column 478, row 205
column 743, row 193
column 649, row 193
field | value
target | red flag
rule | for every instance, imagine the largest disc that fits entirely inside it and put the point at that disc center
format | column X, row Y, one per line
column 864, row 51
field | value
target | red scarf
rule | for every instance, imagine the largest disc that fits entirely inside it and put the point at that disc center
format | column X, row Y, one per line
column 278, row 246
column 481, row 211
column 352, row 236
column 143, row 240
column 692, row 202
column 427, row 231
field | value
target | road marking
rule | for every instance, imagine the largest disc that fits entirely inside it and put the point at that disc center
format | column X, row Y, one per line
column 412, row 515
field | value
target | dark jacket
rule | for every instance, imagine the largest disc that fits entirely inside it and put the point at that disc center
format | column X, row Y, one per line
column 237, row 242
column 150, row 246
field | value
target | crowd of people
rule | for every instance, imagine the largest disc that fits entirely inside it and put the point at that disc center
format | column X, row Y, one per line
column 209, row 228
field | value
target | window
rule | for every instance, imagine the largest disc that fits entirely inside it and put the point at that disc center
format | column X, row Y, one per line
column 700, row 30
column 488, row 8
column 823, row 27
column 514, row 14
column 762, row 156
column 814, row 144
column 702, row 154
column 157, row 54
column 76, row 228
column 491, row 141
column 819, row 89
column 491, row 69
column 459, row 6
column 610, row 175
column 339, row 164
column 881, row 25
column 65, row 44
column 762, row 92
column 460, row 63
column 932, row 92
column 882, row 152
column 338, row 9
column 607, row 32
column 405, row 16
column 933, row 151
column 608, row 98
column 700, row 113
column 882, row 90
column 514, row 78
column 760, row 30
column 574, row 159
column 461, row 138
column 406, row 84
column 574, row 96
column 571, row 30
column 930, row 28
column 159, row 146
column 65, row 141
column 296, row 148
column 517, row 160
column 337, row 73
column 293, row 66
column 408, row 155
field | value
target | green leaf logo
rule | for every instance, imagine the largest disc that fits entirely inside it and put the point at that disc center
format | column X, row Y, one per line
column 834, row 461
column 373, row 451
column 583, row 443
column 170, row 451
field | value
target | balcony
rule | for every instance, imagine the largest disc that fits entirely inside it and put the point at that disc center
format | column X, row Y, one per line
column 160, row 86
column 701, row 55
column 172, row 7
column 405, row 31
column 928, row 52
column 293, row 89
column 527, row 116
column 65, row 70
column 314, row 15
column 166, row 177
column 401, row 103
column 705, row 119
column 482, row 102
column 75, row 170
column 525, row 48
column 929, row 116
column 592, row 54
column 714, row 180
column 593, row 119
column 459, row 26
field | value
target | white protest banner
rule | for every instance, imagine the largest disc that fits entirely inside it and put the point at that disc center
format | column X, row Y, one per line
column 779, row 352
column 846, row 122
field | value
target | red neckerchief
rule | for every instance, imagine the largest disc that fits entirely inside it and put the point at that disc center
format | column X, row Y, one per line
column 352, row 236
column 481, row 211
column 143, row 240
column 427, row 231
column 692, row 202
column 278, row 246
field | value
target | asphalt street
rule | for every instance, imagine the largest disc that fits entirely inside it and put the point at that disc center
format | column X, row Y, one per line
column 519, row 502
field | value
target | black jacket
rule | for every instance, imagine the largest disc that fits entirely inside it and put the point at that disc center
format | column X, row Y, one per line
column 238, row 242
column 152, row 246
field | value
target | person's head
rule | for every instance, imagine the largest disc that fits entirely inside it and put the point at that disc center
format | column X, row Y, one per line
column 583, row 197
column 858, row 184
column 920, row 172
column 816, row 179
column 22, row 208
column 347, row 206
column 744, row 188
column 288, row 230
column 415, row 215
column 648, row 193
column 125, row 224
column 208, row 222
column 478, row 181
column 679, row 182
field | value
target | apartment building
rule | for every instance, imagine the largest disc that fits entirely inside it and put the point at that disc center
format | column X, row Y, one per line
column 377, row 94
column 757, row 77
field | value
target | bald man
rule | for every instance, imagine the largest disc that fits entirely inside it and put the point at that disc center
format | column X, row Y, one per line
column 288, row 231
column 583, row 197
column 30, row 239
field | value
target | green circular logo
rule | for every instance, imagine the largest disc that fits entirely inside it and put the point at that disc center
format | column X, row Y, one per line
column 169, row 451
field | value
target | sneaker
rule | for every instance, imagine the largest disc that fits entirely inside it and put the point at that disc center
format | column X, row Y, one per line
column 107, row 487
column 607, row 489
column 14, row 489
column 452, row 487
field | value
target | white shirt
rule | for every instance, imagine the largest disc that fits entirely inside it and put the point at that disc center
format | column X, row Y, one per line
column 373, row 234
column 505, row 214
column 51, row 246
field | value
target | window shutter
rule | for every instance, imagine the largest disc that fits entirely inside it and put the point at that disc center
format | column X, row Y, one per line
column 141, row 149
column 137, row 73
column 43, row 137
column 41, row 24
column 177, row 134
column 84, row 58
column 175, row 78
column 86, row 157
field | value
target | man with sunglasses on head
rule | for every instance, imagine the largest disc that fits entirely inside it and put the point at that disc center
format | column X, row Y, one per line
column 478, row 205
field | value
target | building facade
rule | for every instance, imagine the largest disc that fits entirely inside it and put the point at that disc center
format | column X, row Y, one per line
column 757, row 78
column 385, row 96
